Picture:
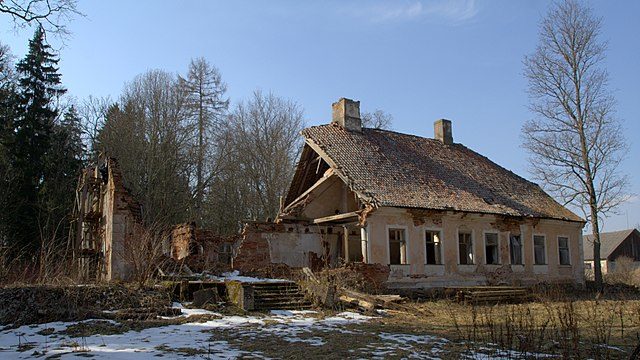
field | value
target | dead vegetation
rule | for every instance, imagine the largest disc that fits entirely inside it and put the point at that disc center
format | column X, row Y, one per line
column 35, row 304
column 624, row 272
column 566, row 327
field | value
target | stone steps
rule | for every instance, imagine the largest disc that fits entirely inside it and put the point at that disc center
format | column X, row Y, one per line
column 279, row 296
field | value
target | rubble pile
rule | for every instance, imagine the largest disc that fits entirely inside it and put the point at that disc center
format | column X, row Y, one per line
column 36, row 304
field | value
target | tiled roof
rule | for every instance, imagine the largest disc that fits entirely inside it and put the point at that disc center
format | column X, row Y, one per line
column 387, row 168
column 609, row 242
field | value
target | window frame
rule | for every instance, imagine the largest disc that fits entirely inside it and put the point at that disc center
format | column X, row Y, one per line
column 471, row 238
column 568, row 249
column 406, row 244
column 521, row 249
column 546, row 246
column 484, row 236
column 440, row 235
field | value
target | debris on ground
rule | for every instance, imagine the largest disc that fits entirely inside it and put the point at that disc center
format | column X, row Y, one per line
column 34, row 304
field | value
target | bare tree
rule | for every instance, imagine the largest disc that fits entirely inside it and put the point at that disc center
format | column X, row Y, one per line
column 265, row 138
column 377, row 120
column 147, row 133
column 93, row 111
column 51, row 15
column 142, row 253
column 7, row 73
column 206, row 104
column 575, row 140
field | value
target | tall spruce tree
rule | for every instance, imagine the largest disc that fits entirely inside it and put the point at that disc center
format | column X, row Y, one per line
column 39, row 88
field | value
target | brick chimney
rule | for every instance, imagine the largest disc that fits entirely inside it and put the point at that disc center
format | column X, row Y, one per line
column 346, row 113
column 442, row 131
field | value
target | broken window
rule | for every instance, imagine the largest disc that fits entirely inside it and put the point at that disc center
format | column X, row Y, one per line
column 465, row 248
column 515, row 249
column 225, row 253
column 563, row 249
column 397, row 247
column 539, row 252
column 434, row 247
column 491, row 248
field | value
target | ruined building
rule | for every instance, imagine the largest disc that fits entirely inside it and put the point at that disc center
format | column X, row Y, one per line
column 107, row 216
column 432, row 210
column 110, row 236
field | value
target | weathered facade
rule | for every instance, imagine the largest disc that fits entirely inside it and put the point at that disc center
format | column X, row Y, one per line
column 613, row 245
column 434, row 211
column 107, row 216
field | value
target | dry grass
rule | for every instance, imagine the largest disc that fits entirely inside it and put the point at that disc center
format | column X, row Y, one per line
column 571, row 329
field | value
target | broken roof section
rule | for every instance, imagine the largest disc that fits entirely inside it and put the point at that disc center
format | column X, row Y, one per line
column 390, row 169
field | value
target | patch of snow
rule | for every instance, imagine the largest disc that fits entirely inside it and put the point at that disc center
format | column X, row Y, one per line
column 292, row 312
column 235, row 276
column 291, row 326
column 408, row 338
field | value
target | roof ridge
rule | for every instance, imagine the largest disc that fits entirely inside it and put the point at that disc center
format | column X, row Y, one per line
column 408, row 170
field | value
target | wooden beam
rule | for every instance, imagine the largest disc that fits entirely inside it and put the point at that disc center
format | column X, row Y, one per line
column 337, row 217
column 345, row 236
column 309, row 190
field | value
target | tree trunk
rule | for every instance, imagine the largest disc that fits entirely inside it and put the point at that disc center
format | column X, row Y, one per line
column 200, row 163
column 597, row 268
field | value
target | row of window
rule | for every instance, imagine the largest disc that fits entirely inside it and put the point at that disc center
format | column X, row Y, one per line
column 433, row 250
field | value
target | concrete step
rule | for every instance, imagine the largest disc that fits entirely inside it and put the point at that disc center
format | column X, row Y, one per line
column 276, row 293
column 283, row 306
column 279, row 296
column 270, row 297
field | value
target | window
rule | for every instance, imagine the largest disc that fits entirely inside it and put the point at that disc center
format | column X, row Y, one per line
column 491, row 248
column 465, row 248
column 397, row 247
column 539, row 250
column 434, row 247
column 563, row 250
column 225, row 253
column 515, row 249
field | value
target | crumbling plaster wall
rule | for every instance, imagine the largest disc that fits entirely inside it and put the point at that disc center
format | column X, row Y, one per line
column 293, row 244
column 450, row 224
column 118, row 225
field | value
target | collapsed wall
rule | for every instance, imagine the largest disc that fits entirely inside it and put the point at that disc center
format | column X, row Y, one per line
column 293, row 244
column 201, row 249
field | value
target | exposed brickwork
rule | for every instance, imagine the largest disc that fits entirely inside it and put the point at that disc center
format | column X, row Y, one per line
column 253, row 250
column 201, row 249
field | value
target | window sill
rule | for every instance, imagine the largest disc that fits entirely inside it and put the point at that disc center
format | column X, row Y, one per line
column 565, row 266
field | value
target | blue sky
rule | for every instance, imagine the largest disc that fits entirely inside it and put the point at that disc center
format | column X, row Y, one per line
column 417, row 60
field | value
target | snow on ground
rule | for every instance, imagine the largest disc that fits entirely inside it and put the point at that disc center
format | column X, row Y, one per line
column 190, row 340
column 235, row 276
column 224, row 337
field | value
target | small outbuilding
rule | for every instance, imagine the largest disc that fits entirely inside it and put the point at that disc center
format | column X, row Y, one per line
column 613, row 246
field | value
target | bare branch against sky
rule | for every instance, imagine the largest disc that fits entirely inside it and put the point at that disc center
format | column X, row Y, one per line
column 575, row 140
